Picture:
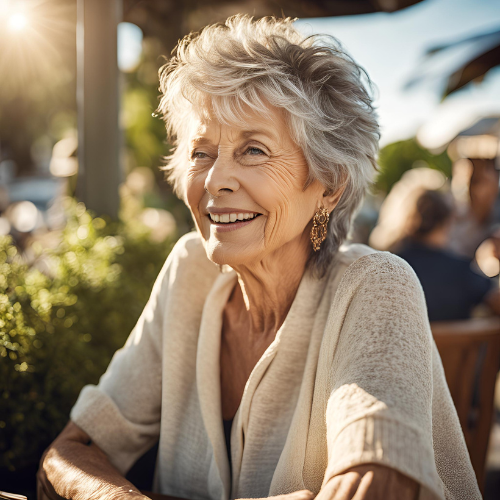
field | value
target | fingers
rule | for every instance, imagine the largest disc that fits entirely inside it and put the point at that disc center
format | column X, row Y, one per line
column 364, row 487
column 349, row 486
column 342, row 487
column 364, row 482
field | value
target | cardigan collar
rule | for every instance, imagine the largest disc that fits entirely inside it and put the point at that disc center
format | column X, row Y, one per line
column 208, row 371
column 301, row 312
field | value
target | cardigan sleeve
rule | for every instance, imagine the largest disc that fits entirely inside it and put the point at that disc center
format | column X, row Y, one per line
column 122, row 413
column 379, row 408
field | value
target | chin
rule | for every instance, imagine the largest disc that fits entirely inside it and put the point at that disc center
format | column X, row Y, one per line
column 232, row 254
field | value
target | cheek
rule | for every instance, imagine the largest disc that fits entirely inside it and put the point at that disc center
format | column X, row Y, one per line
column 280, row 193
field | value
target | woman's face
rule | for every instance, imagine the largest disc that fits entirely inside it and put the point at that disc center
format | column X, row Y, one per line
column 245, row 189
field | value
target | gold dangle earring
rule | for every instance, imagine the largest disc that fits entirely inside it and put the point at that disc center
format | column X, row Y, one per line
column 319, row 229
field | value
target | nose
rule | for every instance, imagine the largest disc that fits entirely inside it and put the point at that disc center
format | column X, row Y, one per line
column 221, row 178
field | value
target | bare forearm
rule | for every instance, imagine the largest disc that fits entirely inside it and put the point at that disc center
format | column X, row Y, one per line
column 82, row 472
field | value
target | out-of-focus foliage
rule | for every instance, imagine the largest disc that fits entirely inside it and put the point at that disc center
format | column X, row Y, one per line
column 59, row 328
column 144, row 133
column 396, row 158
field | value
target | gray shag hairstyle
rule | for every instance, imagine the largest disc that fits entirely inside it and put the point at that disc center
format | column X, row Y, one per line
column 325, row 94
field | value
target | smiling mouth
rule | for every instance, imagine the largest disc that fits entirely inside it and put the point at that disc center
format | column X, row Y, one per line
column 231, row 218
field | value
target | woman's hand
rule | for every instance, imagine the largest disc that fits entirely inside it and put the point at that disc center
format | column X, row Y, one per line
column 370, row 482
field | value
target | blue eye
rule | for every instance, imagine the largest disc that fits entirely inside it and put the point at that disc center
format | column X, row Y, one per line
column 255, row 151
column 199, row 154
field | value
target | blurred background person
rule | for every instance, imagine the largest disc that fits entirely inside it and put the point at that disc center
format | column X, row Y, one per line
column 477, row 179
column 451, row 286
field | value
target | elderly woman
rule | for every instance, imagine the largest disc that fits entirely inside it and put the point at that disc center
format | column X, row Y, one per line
column 270, row 360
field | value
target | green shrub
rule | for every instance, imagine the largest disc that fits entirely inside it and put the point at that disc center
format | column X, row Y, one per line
column 60, row 327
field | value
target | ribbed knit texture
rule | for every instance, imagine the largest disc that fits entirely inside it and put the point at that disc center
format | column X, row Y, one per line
column 353, row 376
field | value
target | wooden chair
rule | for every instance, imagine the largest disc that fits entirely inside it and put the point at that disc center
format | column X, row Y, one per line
column 470, row 352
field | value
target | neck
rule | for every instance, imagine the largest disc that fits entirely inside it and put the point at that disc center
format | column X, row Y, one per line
column 266, row 289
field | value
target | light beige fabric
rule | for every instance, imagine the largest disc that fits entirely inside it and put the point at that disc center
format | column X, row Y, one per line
column 352, row 377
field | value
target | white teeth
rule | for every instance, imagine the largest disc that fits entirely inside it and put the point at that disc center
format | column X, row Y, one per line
column 225, row 218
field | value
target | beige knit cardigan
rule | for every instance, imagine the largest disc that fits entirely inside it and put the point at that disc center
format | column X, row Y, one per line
column 353, row 376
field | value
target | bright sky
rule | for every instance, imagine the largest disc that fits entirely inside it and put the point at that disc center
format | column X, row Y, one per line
column 391, row 48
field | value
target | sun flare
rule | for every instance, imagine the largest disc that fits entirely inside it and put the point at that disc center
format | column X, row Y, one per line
column 17, row 21
column 35, row 36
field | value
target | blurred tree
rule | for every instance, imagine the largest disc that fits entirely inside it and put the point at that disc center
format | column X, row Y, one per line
column 483, row 55
column 396, row 158
column 59, row 328
column 145, row 133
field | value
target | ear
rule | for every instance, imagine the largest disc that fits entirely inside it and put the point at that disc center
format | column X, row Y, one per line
column 331, row 198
